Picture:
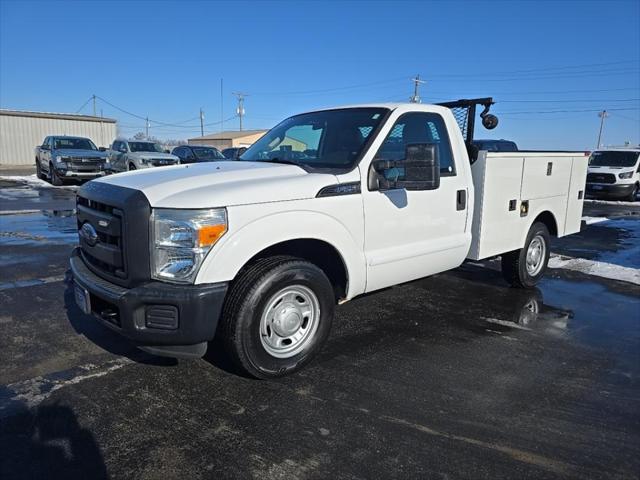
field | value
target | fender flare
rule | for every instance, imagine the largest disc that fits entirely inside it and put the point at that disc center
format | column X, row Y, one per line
column 233, row 251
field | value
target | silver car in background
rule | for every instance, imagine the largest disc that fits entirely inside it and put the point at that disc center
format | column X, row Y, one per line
column 128, row 155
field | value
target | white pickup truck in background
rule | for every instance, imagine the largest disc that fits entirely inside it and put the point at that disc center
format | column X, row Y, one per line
column 328, row 205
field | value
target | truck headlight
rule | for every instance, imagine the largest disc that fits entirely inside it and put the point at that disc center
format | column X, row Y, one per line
column 626, row 174
column 181, row 240
column 60, row 159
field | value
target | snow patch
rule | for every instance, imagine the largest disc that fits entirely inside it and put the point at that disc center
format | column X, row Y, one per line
column 32, row 180
column 598, row 269
column 35, row 390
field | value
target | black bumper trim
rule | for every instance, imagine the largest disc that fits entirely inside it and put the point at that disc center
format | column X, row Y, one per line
column 199, row 307
column 614, row 190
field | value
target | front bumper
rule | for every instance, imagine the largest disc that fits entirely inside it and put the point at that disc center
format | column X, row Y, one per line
column 164, row 319
column 619, row 190
column 72, row 174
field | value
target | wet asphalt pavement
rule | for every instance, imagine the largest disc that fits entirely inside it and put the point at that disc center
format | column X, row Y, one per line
column 454, row 376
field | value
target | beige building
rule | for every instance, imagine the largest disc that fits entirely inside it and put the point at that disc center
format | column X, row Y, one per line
column 244, row 138
column 21, row 132
column 228, row 139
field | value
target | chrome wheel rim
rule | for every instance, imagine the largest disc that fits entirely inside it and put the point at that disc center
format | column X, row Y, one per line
column 535, row 255
column 289, row 321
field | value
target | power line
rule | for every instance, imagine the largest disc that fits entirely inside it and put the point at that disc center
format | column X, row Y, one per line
column 84, row 104
column 564, row 111
column 476, row 78
column 570, row 101
column 565, row 67
column 333, row 89
column 627, row 118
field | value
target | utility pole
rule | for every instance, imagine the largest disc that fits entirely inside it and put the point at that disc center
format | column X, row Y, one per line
column 201, row 123
column 240, row 109
column 603, row 114
column 94, row 104
column 147, row 125
column 416, row 83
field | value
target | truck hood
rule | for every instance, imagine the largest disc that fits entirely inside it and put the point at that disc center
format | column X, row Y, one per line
column 150, row 155
column 222, row 184
column 74, row 152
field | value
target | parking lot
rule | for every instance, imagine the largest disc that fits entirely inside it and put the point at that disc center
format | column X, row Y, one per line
column 454, row 376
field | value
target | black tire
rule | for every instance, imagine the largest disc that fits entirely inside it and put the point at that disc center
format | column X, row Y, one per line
column 514, row 264
column 39, row 173
column 251, row 294
column 632, row 196
column 53, row 176
column 132, row 167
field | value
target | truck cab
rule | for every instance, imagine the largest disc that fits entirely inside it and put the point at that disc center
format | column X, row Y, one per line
column 326, row 206
column 614, row 173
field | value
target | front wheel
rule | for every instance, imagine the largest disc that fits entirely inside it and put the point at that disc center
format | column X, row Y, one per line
column 54, row 177
column 39, row 173
column 132, row 166
column 277, row 316
column 632, row 196
column 525, row 267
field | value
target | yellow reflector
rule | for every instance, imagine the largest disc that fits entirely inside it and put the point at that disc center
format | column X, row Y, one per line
column 208, row 235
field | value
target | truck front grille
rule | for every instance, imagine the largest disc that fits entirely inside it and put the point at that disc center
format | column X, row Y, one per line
column 85, row 164
column 116, row 246
column 601, row 178
column 158, row 162
column 105, row 252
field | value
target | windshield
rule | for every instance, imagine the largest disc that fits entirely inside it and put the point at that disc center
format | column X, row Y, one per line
column 74, row 144
column 145, row 147
column 613, row 159
column 207, row 153
column 328, row 139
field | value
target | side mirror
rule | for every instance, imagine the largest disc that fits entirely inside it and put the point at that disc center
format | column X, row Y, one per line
column 122, row 149
column 45, row 147
column 420, row 169
column 102, row 149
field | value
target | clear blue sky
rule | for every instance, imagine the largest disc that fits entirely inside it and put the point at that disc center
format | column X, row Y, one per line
column 166, row 59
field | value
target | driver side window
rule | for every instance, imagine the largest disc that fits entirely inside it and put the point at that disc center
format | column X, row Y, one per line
column 418, row 127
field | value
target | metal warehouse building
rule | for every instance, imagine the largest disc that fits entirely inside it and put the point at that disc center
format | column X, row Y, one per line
column 21, row 132
column 228, row 139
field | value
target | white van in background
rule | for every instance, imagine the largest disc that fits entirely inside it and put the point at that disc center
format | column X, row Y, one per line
column 614, row 173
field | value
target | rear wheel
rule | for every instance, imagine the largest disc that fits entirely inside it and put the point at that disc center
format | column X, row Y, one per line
column 53, row 176
column 525, row 267
column 277, row 316
column 132, row 167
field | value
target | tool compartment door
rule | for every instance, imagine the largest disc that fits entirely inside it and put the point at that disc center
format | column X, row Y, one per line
column 545, row 177
column 497, row 224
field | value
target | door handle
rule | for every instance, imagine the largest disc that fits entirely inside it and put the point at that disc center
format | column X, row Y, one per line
column 461, row 199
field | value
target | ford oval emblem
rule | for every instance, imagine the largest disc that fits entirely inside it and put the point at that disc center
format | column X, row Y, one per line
column 89, row 234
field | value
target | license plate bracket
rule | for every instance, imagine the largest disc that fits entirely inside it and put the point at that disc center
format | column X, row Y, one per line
column 83, row 299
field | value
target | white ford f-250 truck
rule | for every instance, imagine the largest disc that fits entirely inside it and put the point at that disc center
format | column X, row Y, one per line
column 328, row 205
